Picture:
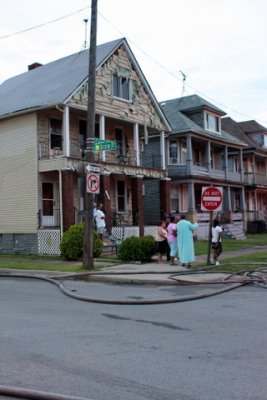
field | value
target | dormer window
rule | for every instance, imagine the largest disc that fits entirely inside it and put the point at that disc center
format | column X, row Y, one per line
column 212, row 123
column 121, row 87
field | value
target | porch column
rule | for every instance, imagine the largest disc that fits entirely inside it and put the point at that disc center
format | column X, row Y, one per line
column 162, row 150
column 242, row 200
column 102, row 133
column 189, row 157
column 229, row 198
column 136, row 144
column 191, row 197
column 138, row 204
column 241, row 169
column 104, row 198
column 165, row 190
column 66, row 131
column 207, row 157
column 68, row 190
column 225, row 166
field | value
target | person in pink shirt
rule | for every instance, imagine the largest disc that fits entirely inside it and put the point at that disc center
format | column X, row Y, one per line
column 172, row 239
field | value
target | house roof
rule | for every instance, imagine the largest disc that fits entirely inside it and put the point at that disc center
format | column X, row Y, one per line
column 53, row 83
column 234, row 128
column 175, row 112
column 194, row 103
column 251, row 126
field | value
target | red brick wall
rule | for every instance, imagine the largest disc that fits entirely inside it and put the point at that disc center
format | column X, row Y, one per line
column 68, row 182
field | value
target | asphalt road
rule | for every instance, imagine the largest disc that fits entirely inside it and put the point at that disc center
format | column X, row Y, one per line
column 210, row 349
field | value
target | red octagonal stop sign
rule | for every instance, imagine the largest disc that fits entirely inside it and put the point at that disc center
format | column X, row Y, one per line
column 211, row 199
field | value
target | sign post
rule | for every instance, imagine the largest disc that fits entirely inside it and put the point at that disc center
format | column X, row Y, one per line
column 211, row 200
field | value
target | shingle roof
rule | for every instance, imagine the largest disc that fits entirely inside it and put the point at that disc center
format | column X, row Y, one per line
column 234, row 129
column 194, row 102
column 181, row 123
column 51, row 83
column 251, row 126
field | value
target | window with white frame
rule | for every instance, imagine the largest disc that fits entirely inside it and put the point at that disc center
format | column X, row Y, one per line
column 177, row 151
column 121, row 87
column 212, row 123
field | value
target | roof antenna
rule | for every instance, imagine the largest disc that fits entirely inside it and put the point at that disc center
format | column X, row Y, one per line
column 85, row 38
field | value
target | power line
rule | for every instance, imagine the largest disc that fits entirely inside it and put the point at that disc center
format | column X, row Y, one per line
column 183, row 80
column 44, row 24
column 141, row 50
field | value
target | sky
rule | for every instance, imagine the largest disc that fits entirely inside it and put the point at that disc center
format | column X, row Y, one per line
column 216, row 49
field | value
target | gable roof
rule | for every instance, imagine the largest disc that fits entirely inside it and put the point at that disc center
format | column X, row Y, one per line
column 175, row 112
column 53, row 83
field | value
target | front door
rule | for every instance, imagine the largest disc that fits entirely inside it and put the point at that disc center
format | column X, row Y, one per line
column 50, row 213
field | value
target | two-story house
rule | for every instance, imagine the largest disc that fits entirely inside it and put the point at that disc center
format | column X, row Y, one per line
column 43, row 145
column 255, row 170
column 200, row 153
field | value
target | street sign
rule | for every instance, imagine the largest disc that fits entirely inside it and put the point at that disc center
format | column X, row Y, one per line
column 103, row 145
column 211, row 198
column 92, row 168
column 93, row 183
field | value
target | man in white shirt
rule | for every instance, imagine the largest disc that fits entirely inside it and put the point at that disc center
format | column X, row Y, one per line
column 216, row 241
column 100, row 220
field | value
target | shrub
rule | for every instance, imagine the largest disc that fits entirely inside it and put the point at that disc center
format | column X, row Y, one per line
column 137, row 248
column 71, row 245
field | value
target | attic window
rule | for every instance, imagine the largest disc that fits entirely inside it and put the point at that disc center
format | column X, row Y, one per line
column 121, row 87
column 212, row 123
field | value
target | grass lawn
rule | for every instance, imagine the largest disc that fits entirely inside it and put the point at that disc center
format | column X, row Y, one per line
column 260, row 239
column 33, row 262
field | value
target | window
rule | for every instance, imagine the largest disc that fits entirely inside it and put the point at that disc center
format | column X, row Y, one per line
column 55, row 133
column 212, row 123
column 173, row 153
column 121, row 196
column 177, row 152
column 121, row 87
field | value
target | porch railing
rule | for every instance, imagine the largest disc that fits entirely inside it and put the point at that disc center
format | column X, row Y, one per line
column 46, row 220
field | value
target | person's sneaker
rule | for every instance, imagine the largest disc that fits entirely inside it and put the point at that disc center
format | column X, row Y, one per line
column 217, row 263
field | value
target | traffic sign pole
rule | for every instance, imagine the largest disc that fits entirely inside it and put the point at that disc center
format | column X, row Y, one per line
column 211, row 200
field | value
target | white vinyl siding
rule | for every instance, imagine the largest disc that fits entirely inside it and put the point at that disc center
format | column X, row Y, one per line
column 18, row 174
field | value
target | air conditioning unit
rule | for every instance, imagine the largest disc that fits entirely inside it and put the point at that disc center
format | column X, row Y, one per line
column 173, row 160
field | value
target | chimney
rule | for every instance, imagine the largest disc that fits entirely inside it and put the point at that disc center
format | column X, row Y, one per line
column 34, row 65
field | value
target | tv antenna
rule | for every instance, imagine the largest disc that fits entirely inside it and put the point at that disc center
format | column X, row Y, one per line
column 85, row 44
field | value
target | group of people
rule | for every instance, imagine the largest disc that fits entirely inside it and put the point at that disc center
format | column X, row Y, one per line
column 175, row 240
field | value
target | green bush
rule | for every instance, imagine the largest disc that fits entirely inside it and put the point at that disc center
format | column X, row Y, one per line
column 137, row 248
column 71, row 245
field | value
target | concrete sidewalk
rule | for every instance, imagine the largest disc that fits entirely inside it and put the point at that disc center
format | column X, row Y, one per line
column 149, row 273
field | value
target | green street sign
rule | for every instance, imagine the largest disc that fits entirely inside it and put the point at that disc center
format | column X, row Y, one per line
column 102, row 145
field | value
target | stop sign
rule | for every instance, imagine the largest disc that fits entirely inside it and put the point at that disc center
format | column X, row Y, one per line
column 211, row 198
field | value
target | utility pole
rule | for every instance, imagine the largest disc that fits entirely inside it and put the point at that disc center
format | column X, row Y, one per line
column 88, row 259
